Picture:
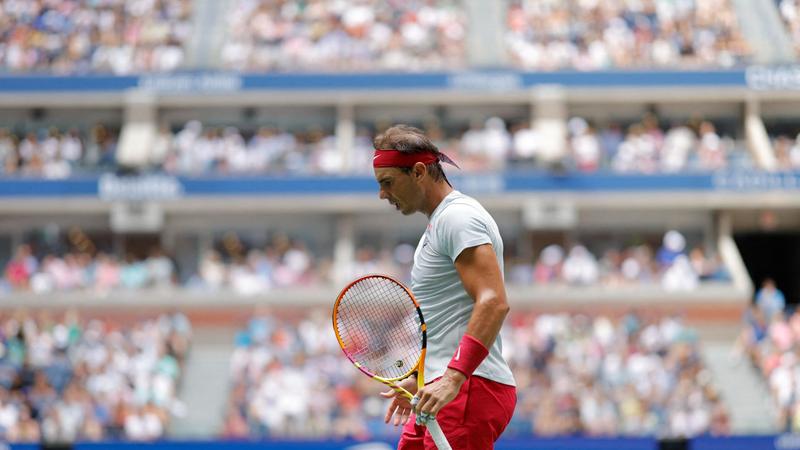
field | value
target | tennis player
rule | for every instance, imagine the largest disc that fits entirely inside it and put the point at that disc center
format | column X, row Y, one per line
column 457, row 277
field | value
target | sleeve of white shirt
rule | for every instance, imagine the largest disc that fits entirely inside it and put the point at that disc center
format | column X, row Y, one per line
column 460, row 227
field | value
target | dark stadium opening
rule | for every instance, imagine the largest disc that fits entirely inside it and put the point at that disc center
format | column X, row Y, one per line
column 140, row 245
column 773, row 255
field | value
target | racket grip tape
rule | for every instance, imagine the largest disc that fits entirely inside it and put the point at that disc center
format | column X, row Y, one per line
column 438, row 435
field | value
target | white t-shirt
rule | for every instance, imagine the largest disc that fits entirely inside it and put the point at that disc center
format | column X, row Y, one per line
column 458, row 223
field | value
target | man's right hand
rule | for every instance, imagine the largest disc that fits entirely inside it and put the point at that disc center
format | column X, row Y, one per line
column 400, row 407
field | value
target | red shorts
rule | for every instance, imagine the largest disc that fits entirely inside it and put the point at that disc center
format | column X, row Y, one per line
column 472, row 421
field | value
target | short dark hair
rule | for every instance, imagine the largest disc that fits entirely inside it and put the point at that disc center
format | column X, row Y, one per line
column 408, row 139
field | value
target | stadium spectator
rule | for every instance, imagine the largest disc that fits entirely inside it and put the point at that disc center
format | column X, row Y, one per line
column 525, row 146
column 548, row 267
column 585, row 145
column 580, row 267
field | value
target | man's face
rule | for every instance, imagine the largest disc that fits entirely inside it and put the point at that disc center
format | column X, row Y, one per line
column 399, row 188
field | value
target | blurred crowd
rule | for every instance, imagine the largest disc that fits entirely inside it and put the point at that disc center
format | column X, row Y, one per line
column 251, row 270
column 330, row 398
column 66, row 379
column 597, row 35
column 76, row 270
column 55, row 154
column 673, row 265
column 82, row 36
column 646, row 146
column 284, row 261
column 770, row 340
column 345, row 35
column 638, row 375
column 634, row 376
column 197, row 149
column 136, row 36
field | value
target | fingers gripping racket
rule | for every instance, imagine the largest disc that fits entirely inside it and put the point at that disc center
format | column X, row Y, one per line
column 380, row 328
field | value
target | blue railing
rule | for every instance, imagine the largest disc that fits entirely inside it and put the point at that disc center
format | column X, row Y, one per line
column 163, row 187
column 756, row 77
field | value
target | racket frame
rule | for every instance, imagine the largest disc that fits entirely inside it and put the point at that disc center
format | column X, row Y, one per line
column 419, row 367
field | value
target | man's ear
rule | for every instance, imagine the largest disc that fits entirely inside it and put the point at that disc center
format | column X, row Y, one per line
column 419, row 170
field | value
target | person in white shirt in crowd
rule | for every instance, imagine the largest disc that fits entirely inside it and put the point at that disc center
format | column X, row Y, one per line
column 72, row 147
column 580, row 268
column 584, row 144
column 680, row 276
column 713, row 151
column 162, row 154
column 496, row 144
column 471, row 147
column 213, row 273
column 678, row 273
column 209, row 152
column 233, row 157
column 185, row 142
column 325, row 156
column 56, row 167
column 679, row 142
column 525, row 145
column 244, row 280
column 160, row 268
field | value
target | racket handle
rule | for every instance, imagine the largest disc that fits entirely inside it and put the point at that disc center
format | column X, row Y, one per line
column 438, row 435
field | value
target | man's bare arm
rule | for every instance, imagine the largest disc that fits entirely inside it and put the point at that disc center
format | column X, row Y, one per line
column 483, row 281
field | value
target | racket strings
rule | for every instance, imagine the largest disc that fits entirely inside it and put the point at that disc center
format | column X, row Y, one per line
column 379, row 327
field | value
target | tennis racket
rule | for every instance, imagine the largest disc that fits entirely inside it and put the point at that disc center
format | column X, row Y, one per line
column 380, row 328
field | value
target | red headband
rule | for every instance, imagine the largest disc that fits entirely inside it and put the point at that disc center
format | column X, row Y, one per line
column 395, row 158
